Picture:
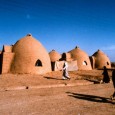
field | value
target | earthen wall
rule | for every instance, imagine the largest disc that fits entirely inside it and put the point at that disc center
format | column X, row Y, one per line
column 7, row 62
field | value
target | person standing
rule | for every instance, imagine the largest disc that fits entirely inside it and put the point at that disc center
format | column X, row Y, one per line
column 105, row 74
column 113, row 80
column 65, row 71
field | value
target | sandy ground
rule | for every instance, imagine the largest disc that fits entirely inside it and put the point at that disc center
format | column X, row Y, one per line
column 48, row 94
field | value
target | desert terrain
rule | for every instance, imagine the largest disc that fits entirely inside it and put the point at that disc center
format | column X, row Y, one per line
column 48, row 94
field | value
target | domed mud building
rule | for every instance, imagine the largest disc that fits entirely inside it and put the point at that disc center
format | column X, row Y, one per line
column 99, row 59
column 26, row 56
column 54, row 56
column 82, row 58
column 57, row 62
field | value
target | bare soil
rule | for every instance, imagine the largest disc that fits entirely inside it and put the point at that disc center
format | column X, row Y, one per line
column 48, row 94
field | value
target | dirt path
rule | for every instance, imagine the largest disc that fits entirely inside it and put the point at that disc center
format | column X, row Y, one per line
column 78, row 100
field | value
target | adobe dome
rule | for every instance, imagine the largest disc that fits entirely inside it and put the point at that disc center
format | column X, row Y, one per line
column 82, row 58
column 54, row 56
column 30, row 56
column 101, row 60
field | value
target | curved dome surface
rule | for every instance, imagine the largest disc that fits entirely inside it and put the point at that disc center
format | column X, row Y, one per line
column 82, row 58
column 101, row 60
column 30, row 57
column 54, row 56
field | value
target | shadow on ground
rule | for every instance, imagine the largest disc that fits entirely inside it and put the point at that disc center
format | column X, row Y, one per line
column 92, row 98
column 94, row 81
column 52, row 78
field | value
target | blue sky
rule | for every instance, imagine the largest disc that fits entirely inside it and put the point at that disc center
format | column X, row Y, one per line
column 60, row 24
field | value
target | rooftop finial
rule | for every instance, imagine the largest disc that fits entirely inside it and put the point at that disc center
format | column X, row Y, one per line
column 76, row 47
column 29, row 34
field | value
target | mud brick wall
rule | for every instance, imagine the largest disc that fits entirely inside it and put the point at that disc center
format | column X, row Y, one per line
column 7, row 61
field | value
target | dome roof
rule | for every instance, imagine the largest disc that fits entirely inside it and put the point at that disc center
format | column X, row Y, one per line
column 54, row 56
column 78, row 53
column 28, row 51
column 82, row 58
column 98, row 53
column 101, row 59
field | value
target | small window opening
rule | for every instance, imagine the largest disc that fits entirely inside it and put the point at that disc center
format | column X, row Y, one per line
column 84, row 63
column 38, row 63
column 107, row 63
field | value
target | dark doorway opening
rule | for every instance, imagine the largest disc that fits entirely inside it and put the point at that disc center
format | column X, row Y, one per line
column 63, row 57
column 53, row 66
